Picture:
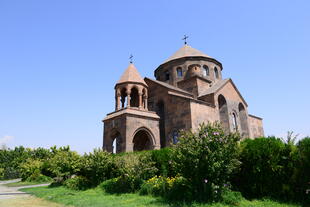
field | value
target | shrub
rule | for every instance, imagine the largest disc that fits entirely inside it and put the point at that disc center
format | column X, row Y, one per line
column 134, row 168
column 77, row 183
column 266, row 168
column 231, row 197
column 98, row 167
column 63, row 165
column 174, row 188
column 122, row 184
column 163, row 162
column 206, row 159
column 302, row 171
column 30, row 169
column 1, row 173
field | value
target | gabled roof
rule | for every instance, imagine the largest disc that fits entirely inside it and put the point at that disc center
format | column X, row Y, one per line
column 219, row 85
column 166, row 85
column 186, row 51
column 131, row 74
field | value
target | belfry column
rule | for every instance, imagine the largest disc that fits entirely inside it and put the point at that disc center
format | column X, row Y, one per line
column 145, row 102
column 118, row 101
column 140, row 100
column 128, row 98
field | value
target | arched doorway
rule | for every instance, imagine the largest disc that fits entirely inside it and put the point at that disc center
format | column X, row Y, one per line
column 116, row 142
column 243, row 121
column 142, row 140
column 223, row 110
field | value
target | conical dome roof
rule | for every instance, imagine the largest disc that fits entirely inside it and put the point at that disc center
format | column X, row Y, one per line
column 131, row 74
column 186, row 51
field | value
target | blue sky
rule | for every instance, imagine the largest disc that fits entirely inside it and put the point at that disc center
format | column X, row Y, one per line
column 59, row 60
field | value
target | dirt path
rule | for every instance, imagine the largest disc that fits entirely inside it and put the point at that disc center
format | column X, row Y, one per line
column 12, row 197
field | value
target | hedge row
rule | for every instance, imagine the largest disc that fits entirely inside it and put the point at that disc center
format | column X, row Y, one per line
column 203, row 166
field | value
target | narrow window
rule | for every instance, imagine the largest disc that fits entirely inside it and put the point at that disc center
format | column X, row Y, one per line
column 179, row 72
column 205, row 70
column 175, row 136
column 234, row 120
column 167, row 75
column 216, row 73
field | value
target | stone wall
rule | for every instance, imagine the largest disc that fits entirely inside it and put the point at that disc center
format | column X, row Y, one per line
column 256, row 126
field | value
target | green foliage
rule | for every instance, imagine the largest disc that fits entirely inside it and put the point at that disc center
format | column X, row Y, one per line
column 174, row 188
column 97, row 167
column 163, row 161
column 206, row 159
column 232, row 198
column 63, row 164
column 267, row 168
column 30, row 169
column 301, row 176
column 1, row 173
column 134, row 168
column 77, row 183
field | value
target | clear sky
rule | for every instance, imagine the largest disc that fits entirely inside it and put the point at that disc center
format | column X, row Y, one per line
column 60, row 60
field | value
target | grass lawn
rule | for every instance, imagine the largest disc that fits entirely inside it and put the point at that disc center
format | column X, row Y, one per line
column 23, row 183
column 97, row 197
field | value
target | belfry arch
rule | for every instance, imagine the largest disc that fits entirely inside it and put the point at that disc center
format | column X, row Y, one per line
column 223, row 112
column 143, row 139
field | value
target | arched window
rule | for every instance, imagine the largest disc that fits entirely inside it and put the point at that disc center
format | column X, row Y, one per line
column 234, row 122
column 134, row 97
column 223, row 110
column 179, row 72
column 167, row 75
column 175, row 136
column 216, row 73
column 205, row 70
column 243, row 121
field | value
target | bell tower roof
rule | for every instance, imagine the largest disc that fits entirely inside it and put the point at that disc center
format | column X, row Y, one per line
column 131, row 74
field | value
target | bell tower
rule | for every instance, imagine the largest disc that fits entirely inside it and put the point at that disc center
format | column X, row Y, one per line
column 131, row 127
column 131, row 90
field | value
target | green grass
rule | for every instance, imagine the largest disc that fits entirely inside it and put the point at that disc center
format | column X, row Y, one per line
column 97, row 197
column 23, row 183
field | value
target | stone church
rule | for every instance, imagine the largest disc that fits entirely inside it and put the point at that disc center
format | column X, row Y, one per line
column 188, row 90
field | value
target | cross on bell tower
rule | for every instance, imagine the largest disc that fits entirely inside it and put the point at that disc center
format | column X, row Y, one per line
column 130, row 58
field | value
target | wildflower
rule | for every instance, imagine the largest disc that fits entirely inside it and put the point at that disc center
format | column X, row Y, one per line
column 215, row 191
column 206, row 181
column 216, row 133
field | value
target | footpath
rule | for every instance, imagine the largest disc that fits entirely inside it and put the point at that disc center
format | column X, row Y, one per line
column 12, row 197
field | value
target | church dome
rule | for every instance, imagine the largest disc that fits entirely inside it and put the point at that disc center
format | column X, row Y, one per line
column 186, row 51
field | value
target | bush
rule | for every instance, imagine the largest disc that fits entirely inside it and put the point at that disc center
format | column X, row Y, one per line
column 123, row 184
column 134, row 168
column 30, row 169
column 266, row 168
column 302, row 171
column 77, row 183
column 163, row 161
column 206, row 159
column 174, row 188
column 231, row 197
column 63, row 165
column 98, row 167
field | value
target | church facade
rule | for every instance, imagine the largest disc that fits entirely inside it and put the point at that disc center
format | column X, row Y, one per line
column 188, row 90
